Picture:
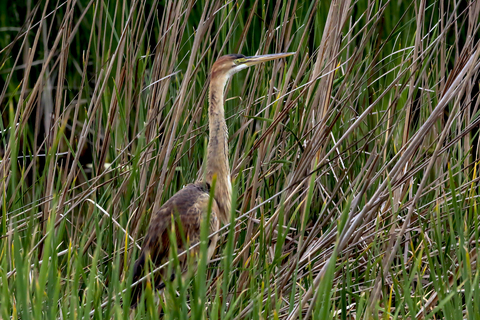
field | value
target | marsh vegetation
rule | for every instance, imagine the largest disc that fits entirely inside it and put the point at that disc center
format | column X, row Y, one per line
column 354, row 162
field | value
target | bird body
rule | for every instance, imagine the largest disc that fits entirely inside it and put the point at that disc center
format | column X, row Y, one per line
column 189, row 206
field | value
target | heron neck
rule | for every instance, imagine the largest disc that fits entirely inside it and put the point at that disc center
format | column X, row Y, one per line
column 217, row 150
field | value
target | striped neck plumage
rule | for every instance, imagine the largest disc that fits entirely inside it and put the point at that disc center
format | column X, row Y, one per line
column 217, row 150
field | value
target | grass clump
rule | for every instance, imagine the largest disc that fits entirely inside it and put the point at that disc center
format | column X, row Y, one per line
column 354, row 162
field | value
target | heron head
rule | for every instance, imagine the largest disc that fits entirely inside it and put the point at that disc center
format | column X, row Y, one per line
column 227, row 65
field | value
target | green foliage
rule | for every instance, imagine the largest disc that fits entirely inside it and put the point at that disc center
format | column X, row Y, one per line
column 354, row 162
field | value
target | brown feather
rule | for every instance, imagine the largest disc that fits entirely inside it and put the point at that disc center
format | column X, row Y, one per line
column 187, row 208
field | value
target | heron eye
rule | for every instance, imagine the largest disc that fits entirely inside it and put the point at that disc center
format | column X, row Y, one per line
column 239, row 61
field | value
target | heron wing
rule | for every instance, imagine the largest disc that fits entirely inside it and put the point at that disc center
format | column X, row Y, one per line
column 185, row 209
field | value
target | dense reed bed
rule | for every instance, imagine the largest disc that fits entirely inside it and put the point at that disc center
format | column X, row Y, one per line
column 354, row 162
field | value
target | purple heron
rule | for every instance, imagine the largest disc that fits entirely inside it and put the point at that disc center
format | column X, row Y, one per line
column 189, row 206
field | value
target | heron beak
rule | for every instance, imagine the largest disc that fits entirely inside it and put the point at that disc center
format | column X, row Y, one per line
column 251, row 61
